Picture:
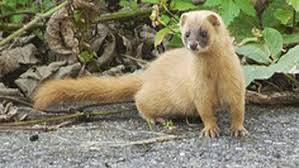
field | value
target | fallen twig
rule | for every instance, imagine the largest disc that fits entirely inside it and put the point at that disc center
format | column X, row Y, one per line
column 25, row 12
column 81, row 108
column 9, row 27
column 16, row 100
column 124, row 15
column 147, row 141
column 141, row 131
column 139, row 142
column 281, row 98
column 36, row 127
column 77, row 116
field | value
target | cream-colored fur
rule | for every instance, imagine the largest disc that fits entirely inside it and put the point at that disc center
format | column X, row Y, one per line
column 179, row 83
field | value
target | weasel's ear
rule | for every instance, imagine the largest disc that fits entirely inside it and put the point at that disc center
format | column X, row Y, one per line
column 183, row 19
column 214, row 20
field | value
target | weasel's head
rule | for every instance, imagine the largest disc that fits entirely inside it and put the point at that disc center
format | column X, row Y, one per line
column 200, row 29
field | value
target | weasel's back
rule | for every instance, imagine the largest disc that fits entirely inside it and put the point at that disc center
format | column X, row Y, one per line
column 171, row 64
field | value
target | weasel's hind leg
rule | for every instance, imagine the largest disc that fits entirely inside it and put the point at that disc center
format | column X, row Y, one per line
column 151, row 106
column 147, row 111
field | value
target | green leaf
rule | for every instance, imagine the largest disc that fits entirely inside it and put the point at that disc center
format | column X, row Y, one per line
column 291, row 38
column 268, row 15
column 182, row 5
column 86, row 56
column 294, row 3
column 254, row 52
column 39, row 34
column 47, row 4
column 284, row 65
column 287, row 61
column 175, row 41
column 77, row 16
column 34, row 8
column 273, row 40
column 173, row 25
column 17, row 18
column 253, row 72
column 10, row 3
column 22, row 2
column 161, row 35
column 212, row 3
column 124, row 3
column 284, row 16
column 7, row 6
column 165, row 19
column 129, row 4
column 151, row 1
column 134, row 5
column 241, row 27
column 246, row 6
column 229, row 10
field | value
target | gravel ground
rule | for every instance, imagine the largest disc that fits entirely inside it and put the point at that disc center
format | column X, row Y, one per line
column 107, row 142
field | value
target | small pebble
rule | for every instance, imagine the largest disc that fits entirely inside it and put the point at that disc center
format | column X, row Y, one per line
column 33, row 137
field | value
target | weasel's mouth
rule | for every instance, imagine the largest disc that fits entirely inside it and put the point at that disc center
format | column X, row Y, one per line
column 193, row 46
column 196, row 49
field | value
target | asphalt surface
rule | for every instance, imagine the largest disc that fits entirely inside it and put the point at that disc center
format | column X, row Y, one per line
column 126, row 141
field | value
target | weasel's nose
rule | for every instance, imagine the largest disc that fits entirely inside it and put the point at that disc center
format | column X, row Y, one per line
column 193, row 46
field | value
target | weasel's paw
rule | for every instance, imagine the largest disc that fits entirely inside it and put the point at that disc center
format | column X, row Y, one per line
column 239, row 131
column 210, row 131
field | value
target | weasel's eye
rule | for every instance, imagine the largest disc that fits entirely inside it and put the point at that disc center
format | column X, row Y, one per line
column 187, row 34
column 203, row 34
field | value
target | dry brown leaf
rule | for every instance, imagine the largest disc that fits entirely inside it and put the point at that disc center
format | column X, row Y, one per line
column 31, row 79
column 109, row 51
column 4, row 91
column 60, row 34
column 114, row 71
column 7, row 111
column 11, row 60
column 63, row 34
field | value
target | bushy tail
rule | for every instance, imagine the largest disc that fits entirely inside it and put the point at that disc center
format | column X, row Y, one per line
column 99, row 89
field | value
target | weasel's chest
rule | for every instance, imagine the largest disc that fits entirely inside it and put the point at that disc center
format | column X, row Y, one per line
column 214, row 85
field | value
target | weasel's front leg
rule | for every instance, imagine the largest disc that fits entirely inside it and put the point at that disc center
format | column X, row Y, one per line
column 237, row 110
column 206, row 112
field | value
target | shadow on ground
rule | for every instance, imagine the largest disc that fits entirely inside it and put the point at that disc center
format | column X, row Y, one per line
column 273, row 142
